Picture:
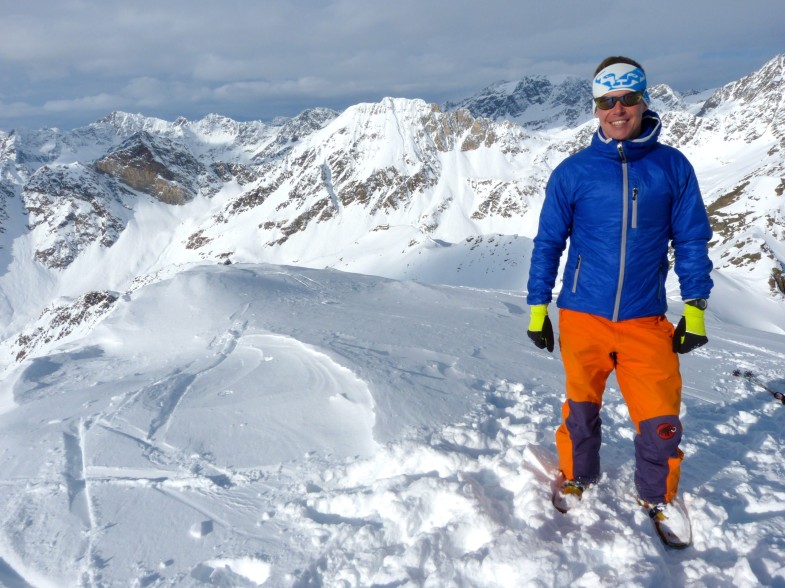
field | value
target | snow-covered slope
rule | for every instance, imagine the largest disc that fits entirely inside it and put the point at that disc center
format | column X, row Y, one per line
column 251, row 425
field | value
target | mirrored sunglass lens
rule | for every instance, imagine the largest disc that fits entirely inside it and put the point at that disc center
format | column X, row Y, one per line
column 631, row 99
column 608, row 102
column 604, row 103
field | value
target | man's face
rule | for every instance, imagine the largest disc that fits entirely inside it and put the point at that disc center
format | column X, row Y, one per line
column 621, row 123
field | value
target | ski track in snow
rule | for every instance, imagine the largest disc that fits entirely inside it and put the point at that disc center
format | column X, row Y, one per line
column 462, row 504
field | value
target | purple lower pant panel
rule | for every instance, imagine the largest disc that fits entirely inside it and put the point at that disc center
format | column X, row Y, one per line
column 657, row 443
column 584, row 426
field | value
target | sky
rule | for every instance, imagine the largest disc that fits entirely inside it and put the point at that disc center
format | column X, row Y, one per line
column 67, row 63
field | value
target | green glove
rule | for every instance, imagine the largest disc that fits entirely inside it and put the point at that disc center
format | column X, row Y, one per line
column 540, row 329
column 691, row 331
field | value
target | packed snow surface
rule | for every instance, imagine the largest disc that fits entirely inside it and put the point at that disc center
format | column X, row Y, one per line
column 260, row 425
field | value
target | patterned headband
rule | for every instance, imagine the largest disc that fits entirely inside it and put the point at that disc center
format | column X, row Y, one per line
column 620, row 76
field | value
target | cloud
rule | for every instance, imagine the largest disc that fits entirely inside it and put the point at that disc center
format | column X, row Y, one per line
column 67, row 61
column 18, row 109
column 85, row 104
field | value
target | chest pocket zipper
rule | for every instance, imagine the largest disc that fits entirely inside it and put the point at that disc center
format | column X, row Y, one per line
column 635, row 208
column 575, row 277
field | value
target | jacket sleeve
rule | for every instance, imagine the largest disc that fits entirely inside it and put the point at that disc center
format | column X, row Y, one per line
column 691, row 232
column 552, row 233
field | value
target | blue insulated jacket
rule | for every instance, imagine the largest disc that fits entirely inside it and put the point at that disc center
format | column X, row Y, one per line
column 620, row 204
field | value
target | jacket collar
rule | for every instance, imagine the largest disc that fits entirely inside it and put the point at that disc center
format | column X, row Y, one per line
column 650, row 132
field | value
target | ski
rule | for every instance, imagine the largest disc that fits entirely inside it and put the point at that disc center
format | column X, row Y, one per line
column 755, row 381
column 567, row 494
column 671, row 523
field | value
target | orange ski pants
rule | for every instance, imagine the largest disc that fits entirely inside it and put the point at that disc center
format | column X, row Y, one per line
column 647, row 369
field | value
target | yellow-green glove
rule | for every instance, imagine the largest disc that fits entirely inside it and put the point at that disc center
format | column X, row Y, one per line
column 691, row 330
column 540, row 329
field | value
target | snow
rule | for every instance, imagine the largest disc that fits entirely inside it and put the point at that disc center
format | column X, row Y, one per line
column 269, row 425
column 266, row 425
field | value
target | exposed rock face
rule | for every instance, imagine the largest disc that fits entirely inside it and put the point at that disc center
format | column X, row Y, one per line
column 159, row 167
column 70, row 207
column 749, row 214
column 753, row 105
column 59, row 321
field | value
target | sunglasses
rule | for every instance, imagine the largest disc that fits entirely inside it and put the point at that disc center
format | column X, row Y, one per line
column 608, row 102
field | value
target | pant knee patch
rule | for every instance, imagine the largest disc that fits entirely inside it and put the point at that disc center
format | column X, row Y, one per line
column 659, row 438
column 657, row 456
column 585, row 429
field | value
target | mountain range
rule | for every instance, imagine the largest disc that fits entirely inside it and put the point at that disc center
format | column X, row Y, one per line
column 401, row 188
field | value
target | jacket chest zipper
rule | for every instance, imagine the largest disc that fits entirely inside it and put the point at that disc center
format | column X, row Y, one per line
column 634, row 224
column 623, row 244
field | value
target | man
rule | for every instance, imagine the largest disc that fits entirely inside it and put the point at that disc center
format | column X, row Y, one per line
column 620, row 202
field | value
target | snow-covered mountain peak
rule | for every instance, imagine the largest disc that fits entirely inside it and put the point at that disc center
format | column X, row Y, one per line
column 666, row 99
column 400, row 188
column 535, row 102
column 213, row 128
column 288, row 132
column 126, row 123
column 757, row 99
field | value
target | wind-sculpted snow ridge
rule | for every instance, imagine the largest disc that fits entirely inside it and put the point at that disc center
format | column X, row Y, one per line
column 259, row 425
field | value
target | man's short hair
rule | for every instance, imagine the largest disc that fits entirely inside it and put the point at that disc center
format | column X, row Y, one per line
column 617, row 59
